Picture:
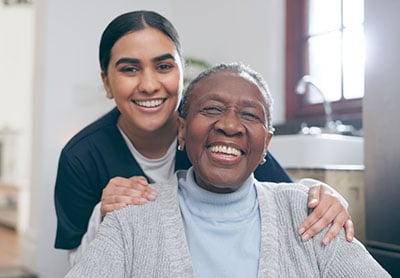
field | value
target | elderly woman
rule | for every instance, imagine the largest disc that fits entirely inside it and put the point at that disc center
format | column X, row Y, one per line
column 216, row 219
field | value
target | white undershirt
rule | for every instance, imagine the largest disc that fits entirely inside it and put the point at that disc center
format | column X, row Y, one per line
column 157, row 170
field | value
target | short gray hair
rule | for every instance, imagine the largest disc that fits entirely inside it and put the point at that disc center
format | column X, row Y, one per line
column 239, row 68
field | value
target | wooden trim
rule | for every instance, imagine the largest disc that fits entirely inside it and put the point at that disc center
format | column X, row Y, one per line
column 296, row 67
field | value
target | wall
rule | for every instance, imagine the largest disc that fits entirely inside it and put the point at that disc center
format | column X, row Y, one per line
column 16, row 71
column 68, row 92
column 16, row 57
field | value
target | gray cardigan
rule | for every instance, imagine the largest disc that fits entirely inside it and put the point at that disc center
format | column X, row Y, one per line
column 149, row 241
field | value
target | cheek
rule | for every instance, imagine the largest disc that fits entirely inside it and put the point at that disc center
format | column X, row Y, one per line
column 257, row 143
column 121, row 87
column 195, row 138
column 173, row 84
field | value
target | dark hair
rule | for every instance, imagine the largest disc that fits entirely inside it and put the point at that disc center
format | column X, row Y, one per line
column 131, row 22
column 240, row 69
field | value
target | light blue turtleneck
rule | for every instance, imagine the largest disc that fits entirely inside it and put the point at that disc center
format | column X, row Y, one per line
column 222, row 230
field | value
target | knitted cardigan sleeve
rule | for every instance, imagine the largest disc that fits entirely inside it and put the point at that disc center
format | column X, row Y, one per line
column 105, row 254
column 339, row 258
column 344, row 259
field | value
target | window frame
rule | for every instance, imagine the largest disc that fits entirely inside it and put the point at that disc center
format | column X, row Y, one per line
column 296, row 107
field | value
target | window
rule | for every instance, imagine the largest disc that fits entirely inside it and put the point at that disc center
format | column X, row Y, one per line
column 325, row 40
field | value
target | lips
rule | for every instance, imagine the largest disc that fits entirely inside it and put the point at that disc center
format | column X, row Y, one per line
column 149, row 103
column 227, row 150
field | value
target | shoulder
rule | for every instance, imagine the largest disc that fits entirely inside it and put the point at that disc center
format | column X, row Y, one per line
column 286, row 199
column 283, row 190
column 99, row 130
column 167, row 197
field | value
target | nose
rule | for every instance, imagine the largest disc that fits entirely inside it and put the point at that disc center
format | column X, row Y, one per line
column 149, row 82
column 229, row 123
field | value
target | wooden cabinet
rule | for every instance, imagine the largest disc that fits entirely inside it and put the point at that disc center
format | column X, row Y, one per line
column 349, row 182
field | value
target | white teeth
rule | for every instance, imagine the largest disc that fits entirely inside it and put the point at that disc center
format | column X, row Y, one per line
column 149, row 103
column 226, row 150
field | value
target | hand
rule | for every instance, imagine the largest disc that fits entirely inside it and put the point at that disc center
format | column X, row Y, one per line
column 327, row 209
column 120, row 192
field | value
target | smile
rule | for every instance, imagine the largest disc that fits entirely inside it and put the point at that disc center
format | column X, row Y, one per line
column 149, row 103
column 225, row 150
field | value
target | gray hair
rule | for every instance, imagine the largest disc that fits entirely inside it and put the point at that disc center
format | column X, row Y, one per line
column 240, row 69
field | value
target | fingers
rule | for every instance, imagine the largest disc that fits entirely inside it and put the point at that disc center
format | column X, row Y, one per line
column 120, row 192
column 313, row 196
column 328, row 210
column 336, row 227
column 318, row 220
column 140, row 185
column 349, row 228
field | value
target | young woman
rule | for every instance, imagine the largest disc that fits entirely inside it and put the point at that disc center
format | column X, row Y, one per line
column 109, row 164
column 216, row 219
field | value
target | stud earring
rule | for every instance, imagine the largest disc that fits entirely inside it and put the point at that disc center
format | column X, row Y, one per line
column 263, row 160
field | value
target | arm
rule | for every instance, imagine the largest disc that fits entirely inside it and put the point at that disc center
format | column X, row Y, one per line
column 75, row 255
column 118, row 193
column 76, row 194
column 105, row 255
column 328, row 207
column 347, row 259
column 74, row 197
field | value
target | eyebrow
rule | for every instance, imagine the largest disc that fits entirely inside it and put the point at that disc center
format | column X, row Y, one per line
column 126, row 60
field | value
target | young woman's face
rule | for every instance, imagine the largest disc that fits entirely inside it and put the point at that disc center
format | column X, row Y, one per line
column 145, row 79
column 225, row 131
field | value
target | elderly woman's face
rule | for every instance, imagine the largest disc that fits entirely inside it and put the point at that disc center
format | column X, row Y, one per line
column 225, row 131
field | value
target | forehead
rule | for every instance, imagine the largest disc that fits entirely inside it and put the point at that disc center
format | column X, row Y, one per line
column 230, row 85
column 145, row 41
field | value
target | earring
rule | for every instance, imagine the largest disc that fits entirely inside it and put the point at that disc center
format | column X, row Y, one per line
column 263, row 160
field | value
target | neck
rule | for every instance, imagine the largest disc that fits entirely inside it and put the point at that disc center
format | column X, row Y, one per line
column 152, row 144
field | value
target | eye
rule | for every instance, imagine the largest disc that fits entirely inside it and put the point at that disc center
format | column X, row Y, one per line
column 129, row 69
column 212, row 110
column 164, row 67
column 251, row 117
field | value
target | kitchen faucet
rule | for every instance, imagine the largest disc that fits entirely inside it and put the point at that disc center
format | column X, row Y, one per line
column 330, row 125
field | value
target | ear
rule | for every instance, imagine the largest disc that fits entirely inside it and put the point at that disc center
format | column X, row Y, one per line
column 106, row 85
column 266, row 144
column 181, row 132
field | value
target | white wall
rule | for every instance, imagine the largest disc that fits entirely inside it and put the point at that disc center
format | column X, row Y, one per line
column 16, row 55
column 16, row 62
column 68, row 93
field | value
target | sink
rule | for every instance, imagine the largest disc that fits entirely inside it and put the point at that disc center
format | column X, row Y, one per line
column 316, row 151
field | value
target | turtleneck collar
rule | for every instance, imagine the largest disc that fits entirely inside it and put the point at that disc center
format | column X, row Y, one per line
column 206, row 204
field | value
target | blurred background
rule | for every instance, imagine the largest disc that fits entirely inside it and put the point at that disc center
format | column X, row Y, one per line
column 331, row 67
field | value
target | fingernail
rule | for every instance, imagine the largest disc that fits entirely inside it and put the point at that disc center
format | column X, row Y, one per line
column 151, row 197
column 305, row 237
column 312, row 201
column 302, row 230
column 143, row 200
column 325, row 240
column 154, row 193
